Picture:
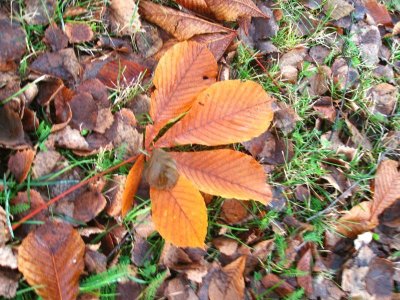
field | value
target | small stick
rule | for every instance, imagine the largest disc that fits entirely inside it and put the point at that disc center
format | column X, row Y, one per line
column 70, row 190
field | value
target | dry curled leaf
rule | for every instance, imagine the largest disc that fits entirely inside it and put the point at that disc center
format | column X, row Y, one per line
column 199, row 6
column 304, row 264
column 78, row 32
column 338, row 9
column 20, row 163
column 356, row 220
column 180, row 214
column 55, row 37
column 228, row 284
column 231, row 10
column 181, row 25
column 52, row 257
column 12, row 38
column 124, row 17
column 378, row 12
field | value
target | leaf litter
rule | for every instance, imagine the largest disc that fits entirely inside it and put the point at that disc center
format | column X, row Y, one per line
column 77, row 98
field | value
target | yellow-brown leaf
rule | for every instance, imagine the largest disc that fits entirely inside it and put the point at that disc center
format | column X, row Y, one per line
column 231, row 10
column 229, row 284
column 132, row 184
column 226, row 173
column 199, row 6
column 52, row 257
column 387, row 188
column 217, row 43
column 227, row 112
column 180, row 214
column 181, row 25
column 356, row 221
column 184, row 71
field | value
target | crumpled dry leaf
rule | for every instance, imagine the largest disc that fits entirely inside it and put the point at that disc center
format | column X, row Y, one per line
column 4, row 232
column 62, row 64
column 20, row 163
column 7, row 257
column 124, row 17
column 149, row 40
column 356, row 220
column 78, row 32
column 384, row 98
column 12, row 38
column 11, row 130
column 228, row 284
column 181, row 25
column 378, row 12
column 95, row 262
column 84, row 112
column 232, row 10
column 45, row 162
column 304, row 264
column 88, row 205
column 179, row 289
column 319, row 83
column 281, row 287
column 368, row 39
column 234, row 211
column 338, row 8
column 113, row 192
column 55, row 37
column 9, row 84
column 70, row 139
column 39, row 12
column 8, row 283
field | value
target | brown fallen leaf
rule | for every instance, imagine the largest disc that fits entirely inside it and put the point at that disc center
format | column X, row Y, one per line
column 124, row 17
column 379, row 279
column 281, row 287
column 88, row 205
column 4, row 232
column 179, row 289
column 226, row 245
column 70, row 139
column 7, row 257
column 228, row 283
column 84, row 112
column 217, row 43
column 8, row 283
column 128, row 289
column 12, row 38
column 78, row 32
column 378, row 12
column 45, row 162
column 356, row 220
column 120, row 72
column 113, row 191
column 199, row 6
column 387, row 188
column 20, row 163
column 149, row 41
column 74, row 11
column 11, row 131
column 181, row 25
column 9, row 84
column 95, row 262
column 62, row 64
column 338, row 9
column 325, row 108
column 304, row 264
column 39, row 12
column 357, row 137
column 384, row 98
column 55, row 37
column 52, row 256
column 232, row 10
column 234, row 211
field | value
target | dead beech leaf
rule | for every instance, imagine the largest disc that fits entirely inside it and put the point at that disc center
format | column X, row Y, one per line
column 39, row 12
column 7, row 257
column 62, row 64
column 227, row 112
column 20, row 163
column 185, row 70
column 55, row 37
column 280, row 286
column 78, row 32
column 228, row 284
column 199, row 6
column 8, row 283
column 217, row 43
column 234, row 211
column 132, row 184
column 160, row 171
column 12, row 38
column 88, row 205
column 378, row 12
column 304, row 264
column 338, row 8
column 231, row 10
column 84, row 112
column 52, row 256
column 124, row 17
column 180, row 214
column 4, row 232
column 226, row 173
column 181, row 25
column 11, row 131
column 387, row 188
column 356, row 220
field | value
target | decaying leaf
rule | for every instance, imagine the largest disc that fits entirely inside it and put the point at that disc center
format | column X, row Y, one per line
column 220, row 116
column 39, row 12
column 52, row 257
column 356, row 220
column 78, row 32
column 217, row 43
column 384, row 97
column 124, row 17
column 338, row 8
column 55, row 37
column 20, row 163
column 378, row 12
column 228, row 284
column 181, row 25
column 8, row 283
column 4, row 232
column 281, row 287
column 226, row 173
column 180, row 214
column 304, row 264
column 231, row 10
column 387, row 188
column 11, row 131
column 12, row 38
column 184, row 71
column 234, row 211
column 7, row 257
column 132, row 184
column 199, row 6
column 88, row 205
column 161, row 171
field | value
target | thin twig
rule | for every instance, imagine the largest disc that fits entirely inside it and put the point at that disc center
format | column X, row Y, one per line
column 70, row 190
column 269, row 75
